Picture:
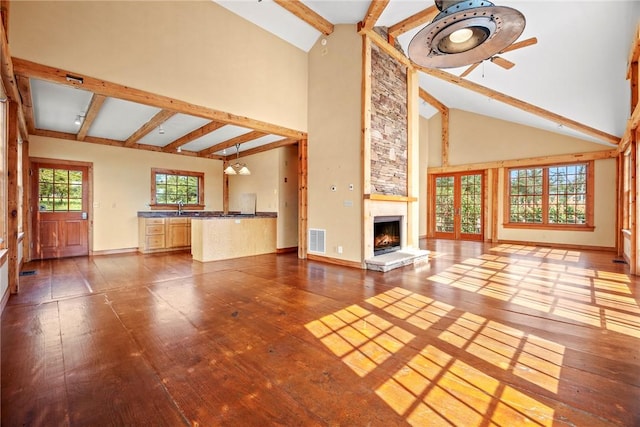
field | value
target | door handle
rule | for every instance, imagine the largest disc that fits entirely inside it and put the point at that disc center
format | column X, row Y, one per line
column 84, row 215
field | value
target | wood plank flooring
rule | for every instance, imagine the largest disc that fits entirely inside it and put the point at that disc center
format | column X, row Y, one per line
column 480, row 335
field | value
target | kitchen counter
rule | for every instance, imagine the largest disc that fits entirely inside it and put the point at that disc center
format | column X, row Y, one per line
column 220, row 237
column 204, row 214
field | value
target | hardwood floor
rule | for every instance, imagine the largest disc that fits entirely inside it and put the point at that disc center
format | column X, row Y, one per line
column 480, row 335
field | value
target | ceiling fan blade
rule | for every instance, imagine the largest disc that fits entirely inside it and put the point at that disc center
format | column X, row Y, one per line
column 469, row 70
column 518, row 45
column 506, row 64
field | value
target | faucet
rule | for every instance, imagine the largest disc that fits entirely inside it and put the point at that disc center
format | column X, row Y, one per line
column 180, row 206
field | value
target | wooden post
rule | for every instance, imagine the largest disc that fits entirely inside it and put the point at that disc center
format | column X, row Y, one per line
column 494, row 203
column 444, row 114
column 26, row 202
column 225, row 191
column 12, row 197
column 302, row 198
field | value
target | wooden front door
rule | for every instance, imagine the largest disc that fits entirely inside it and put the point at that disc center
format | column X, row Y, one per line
column 457, row 206
column 60, row 210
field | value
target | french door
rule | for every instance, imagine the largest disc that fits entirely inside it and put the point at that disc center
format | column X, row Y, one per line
column 457, row 206
column 59, row 211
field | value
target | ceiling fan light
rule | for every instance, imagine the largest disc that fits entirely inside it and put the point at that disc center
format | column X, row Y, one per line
column 460, row 36
column 464, row 39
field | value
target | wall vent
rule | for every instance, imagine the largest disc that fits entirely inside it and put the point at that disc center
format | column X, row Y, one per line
column 317, row 240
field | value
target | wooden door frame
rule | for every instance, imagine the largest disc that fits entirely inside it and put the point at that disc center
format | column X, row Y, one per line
column 89, row 166
column 431, row 208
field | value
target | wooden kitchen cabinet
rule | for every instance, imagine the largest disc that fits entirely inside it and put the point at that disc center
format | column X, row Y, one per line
column 161, row 234
column 178, row 232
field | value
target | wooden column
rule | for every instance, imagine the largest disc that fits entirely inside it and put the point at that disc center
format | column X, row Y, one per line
column 413, row 164
column 494, row 173
column 12, row 197
column 26, row 202
column 225, row 190
column 445, row 137
column 302, row 198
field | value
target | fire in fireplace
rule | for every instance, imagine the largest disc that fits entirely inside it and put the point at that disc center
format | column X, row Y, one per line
column 386, row 234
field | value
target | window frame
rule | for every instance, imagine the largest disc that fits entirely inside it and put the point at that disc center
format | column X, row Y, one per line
column 545, row 224
column 174, row 206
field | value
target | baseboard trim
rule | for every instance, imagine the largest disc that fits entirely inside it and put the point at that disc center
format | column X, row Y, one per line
column 287, row 250
column 558, row 245
column 341, row 262
column 113, row 252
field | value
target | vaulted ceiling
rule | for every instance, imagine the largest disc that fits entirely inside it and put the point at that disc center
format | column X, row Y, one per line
column 572, row 81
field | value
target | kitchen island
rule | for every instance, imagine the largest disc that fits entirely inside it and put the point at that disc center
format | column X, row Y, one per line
column 211, row 235
column 216, row 238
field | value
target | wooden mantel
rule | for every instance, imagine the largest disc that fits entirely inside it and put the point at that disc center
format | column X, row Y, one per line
column 390, row 198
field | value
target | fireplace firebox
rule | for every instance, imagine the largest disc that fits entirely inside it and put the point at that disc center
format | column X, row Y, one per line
column 386, row 234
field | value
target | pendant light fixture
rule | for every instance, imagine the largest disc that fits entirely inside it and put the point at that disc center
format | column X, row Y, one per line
column 237, row 168
column 464, row 33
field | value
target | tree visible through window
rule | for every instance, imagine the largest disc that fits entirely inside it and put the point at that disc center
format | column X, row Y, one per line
column 59, row 190
column 550, row 195
column 173, row 187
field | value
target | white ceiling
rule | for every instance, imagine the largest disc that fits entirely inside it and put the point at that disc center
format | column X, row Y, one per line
column 577, row 69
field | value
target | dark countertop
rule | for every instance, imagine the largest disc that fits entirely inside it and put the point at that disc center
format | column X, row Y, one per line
column 203, row 214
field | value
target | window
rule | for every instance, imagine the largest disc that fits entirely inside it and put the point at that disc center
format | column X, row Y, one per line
column 59, row 190
column 558, row 196
column 170, row 187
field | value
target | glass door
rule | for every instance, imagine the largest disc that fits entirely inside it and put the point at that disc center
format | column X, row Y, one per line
column 457, row 206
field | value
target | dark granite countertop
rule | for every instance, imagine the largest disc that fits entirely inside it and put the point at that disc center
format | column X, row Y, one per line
column 204, row 214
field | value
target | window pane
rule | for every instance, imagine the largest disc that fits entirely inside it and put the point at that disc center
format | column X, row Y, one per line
column 75, row 204
column 75, row 177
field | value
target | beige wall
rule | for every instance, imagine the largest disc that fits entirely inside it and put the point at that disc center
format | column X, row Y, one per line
column 288, row 200
column 268, row 172
column 122, row 184
column 195, row 51
column 423, row 162
column 474, row 138
column 335, row 142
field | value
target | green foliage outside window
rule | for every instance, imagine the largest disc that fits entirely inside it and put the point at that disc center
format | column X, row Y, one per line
column 60, row 190
column 562, row 189
column 171, row 189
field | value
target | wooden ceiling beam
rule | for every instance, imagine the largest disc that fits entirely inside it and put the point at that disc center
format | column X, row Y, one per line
column 101, row 87
column 435, row 103
column 201, row 131
column 522, row 105
column 263, row 148
column 250, row 136
column 153, row 123
column 24, row 88
column 90, row 116
column 413, row 21
column 376, row 7
column 303, row 12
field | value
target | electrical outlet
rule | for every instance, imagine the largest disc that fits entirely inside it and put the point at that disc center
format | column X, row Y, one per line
column 339, row 249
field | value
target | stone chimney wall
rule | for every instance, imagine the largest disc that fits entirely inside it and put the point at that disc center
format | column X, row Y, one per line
column 389, row 123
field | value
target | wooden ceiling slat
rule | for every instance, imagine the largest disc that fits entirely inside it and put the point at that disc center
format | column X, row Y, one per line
column 153, row 123
column 250, row 136
column 56, row 75
column 24, row 87
column 201, row 131
column 433, row 101
column 309, row 16
column 413, row 21
column 263, row 148
column 90, row 116
column 373, row 13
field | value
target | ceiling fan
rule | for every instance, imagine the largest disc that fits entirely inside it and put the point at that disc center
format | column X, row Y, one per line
column 500, row 61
